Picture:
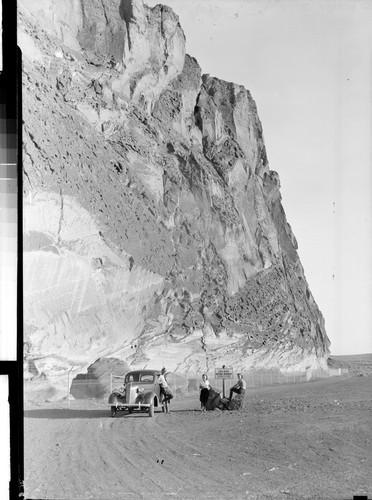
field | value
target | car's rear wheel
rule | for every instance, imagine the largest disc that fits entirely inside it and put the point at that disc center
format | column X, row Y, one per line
column 151, row 410
column 113, row 411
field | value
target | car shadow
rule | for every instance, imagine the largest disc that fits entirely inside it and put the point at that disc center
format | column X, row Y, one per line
column 67, row 413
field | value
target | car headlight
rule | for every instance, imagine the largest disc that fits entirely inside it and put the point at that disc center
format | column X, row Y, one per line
column 140, row 389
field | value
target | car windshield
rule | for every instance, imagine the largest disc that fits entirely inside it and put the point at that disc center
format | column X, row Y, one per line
column 132, row 378
column 139, row 377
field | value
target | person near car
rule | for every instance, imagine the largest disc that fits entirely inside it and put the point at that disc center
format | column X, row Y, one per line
column 165, row 392
column 204, row 387
column 239, row 387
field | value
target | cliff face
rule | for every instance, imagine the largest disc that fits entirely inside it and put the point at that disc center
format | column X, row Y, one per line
column 154, row 230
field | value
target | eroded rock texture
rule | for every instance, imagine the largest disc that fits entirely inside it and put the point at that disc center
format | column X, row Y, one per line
column 154, row 230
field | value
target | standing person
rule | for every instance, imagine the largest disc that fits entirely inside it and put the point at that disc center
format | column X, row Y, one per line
column 204, row 387
column 165, row 393
column 239, row 387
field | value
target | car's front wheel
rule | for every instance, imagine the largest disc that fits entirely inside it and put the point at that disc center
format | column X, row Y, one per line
column 113, row 411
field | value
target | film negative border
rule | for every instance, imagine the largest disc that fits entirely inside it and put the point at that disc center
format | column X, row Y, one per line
column 8, row 228
column 11, row 251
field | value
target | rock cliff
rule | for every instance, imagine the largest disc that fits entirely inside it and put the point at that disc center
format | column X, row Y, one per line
column 153, row 226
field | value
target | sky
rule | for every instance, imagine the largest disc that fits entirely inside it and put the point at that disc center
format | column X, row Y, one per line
column 308, row 65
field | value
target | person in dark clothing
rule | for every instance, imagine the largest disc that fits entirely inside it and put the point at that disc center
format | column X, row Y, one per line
column 204, row 387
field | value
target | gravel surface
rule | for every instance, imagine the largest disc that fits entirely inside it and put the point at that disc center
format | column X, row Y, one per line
column 299, row 441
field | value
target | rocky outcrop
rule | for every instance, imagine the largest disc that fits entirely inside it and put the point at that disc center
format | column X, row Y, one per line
column 102, row 376
column 154, row 229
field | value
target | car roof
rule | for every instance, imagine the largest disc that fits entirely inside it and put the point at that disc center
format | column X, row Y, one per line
column 143, row 372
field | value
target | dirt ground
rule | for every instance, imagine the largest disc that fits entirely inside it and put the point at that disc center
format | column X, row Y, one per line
column 296, row 441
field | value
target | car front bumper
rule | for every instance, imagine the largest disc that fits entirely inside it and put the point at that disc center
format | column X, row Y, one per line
column 130, row 405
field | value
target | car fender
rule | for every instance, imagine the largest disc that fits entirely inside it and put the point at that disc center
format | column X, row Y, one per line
column 116, row 397
column 147, row 398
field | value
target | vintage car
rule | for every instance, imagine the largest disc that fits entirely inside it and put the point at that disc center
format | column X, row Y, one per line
column 140, row 391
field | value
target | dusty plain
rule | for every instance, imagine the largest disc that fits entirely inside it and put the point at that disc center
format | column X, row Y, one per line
column 295, row 441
